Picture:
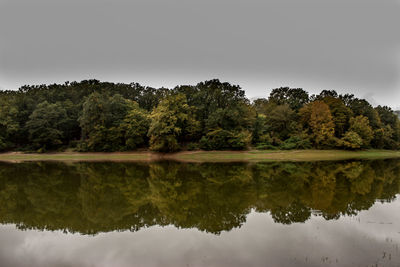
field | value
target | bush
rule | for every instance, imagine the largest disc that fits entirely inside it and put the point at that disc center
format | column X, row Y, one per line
column 296, row 142
column 166, row 143
column 351, row 140
column 264, row 146
column 192, row 146
column 3, row 145
column 82, row 146
column 222, row 139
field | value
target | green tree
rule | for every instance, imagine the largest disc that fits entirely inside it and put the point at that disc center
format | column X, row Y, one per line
column 45, row 126
column 360, row 125
column 383, row 138
column 351, row 140
column 389, row 118
column 100, row 122
column 135, row 126
column 362, row 107
column 296, row 98
column 340, row 113
column 172, row 122
column 215, row 101
column 9, row 125
column 281, row 122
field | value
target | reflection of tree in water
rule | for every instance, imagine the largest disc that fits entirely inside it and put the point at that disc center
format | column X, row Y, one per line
column 213, row 197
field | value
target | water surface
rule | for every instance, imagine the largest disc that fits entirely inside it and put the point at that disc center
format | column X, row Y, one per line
column 209, row 214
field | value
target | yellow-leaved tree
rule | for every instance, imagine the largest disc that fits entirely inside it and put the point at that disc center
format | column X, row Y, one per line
column 317, row 119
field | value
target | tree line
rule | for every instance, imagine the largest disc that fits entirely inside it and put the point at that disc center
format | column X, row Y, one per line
column 101, row 116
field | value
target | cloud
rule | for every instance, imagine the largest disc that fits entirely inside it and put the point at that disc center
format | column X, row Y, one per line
column 348, row 45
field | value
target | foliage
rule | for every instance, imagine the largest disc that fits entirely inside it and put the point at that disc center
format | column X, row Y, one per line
column 101, row 116
column 220, row 139
column 360, row 125
column 340, row 113
column 172, row 122
column 101, row 121
column 296, row 142
column 45, row 126
column 281, row 122
column 135, row 126
column 9, row 125
column 351, row 140
column 317, row 117
column 265, row 146
column 295, row 98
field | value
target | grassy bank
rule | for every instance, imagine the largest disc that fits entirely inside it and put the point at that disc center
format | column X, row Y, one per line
column 206, row 156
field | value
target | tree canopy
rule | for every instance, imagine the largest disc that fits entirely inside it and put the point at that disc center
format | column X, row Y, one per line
column 101, row 116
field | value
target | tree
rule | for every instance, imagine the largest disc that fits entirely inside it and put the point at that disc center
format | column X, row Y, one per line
column 383, row 138
column 262, row 105
column 9, row 125
column 220, row 139
column 281, row 122
column 351, row 140
column 237, row 117
column 45, row 126
column 172, row 122
column 214, row 96
column 135, row 126
column 360, row 125
column 296, row 98
column 260, row 130
column 105, row 116
column 317, row 117
column 100, row 121
column 362, row 107
column 389, row 118
column 327, row 94
column 340, row 113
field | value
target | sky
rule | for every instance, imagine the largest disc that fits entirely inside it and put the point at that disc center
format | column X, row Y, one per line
column 351, row 46
column 369, row 238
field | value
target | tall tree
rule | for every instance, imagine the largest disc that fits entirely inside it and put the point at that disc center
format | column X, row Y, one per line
column 360, row 125
column 172, row 122
column 45, row 126
column 318, row 118
column 100, row 121
column 296, row 98
column 9, row 125
column 281, row 122
column 135, row 126
column 340, row 113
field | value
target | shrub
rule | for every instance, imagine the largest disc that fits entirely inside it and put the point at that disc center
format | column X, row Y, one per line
column 264, row 146
column 192, row 146
column 351, row 140
column 222, row 139
column 296, row 142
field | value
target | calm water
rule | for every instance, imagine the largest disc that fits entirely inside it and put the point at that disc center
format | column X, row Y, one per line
column 214, row 214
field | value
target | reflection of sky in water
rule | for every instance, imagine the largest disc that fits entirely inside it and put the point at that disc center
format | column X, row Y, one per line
column 371, row 237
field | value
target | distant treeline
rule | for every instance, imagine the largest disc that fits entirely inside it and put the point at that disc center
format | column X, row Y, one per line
column 212, row 115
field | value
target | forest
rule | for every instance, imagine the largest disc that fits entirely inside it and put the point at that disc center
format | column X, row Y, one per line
column 102, row 116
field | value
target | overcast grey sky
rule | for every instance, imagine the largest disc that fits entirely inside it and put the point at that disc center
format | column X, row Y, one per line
column 347, row 45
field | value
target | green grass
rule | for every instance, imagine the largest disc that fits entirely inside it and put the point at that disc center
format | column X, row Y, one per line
column 207, row 156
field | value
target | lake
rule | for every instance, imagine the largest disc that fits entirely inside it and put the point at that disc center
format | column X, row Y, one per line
column 200, row 214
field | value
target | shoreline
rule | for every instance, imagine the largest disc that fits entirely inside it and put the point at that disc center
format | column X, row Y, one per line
column 202, row 156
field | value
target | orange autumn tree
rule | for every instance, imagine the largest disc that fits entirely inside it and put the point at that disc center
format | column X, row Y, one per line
column 318, row 121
